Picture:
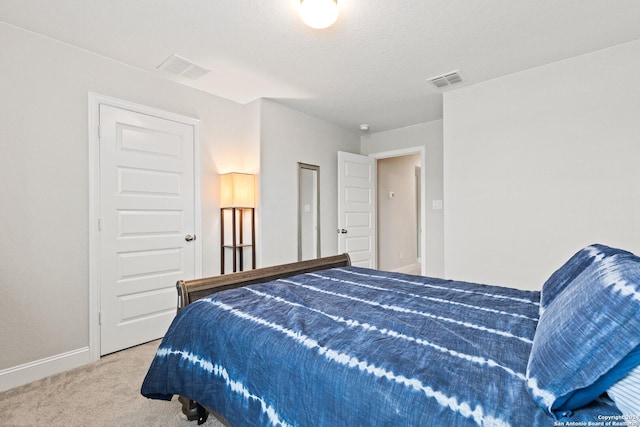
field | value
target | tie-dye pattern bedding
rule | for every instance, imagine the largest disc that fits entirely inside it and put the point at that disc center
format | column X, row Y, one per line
column 358, row 347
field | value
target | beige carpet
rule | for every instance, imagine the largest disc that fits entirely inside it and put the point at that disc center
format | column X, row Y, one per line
column 103, row 393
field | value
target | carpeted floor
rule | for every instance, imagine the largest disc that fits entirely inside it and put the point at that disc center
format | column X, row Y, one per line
column 103, row 393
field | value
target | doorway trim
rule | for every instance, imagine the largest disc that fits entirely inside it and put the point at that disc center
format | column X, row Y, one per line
column 423, row 195
column 94, row 102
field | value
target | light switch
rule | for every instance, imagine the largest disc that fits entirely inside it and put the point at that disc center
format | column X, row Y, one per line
column 436, row 205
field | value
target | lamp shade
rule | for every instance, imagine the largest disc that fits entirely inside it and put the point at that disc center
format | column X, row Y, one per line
column 319, row 13
column 237, row 190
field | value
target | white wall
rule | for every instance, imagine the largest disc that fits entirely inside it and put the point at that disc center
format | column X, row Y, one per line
column 289, row 137
column 541, row 163
column 429, row 136
column 44, row 196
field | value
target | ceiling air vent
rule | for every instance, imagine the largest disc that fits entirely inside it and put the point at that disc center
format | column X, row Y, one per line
column 179, row 66
column 446, row 80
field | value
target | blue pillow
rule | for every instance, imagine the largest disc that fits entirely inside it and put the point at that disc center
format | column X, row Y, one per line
column 584, row 396
column 588, row 335
column 571, row 269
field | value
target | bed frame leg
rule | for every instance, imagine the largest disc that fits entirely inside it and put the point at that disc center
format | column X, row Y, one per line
column 193, row 411
column 189, row 408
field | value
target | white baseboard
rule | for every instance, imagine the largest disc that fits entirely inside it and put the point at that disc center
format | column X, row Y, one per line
column 408, row 269
column 38, row 369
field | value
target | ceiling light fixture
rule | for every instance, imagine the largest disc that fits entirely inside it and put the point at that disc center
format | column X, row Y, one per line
column 319, row 14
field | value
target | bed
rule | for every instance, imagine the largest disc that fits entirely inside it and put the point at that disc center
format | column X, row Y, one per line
column 324, row 343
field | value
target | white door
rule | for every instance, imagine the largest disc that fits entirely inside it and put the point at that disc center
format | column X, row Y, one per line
column 147, row 223
column 357, row 208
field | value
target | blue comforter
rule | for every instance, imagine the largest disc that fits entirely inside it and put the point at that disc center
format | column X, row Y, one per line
column 358, row 347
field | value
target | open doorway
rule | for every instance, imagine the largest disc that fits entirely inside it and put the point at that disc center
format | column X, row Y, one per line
column 398, row 213
column 357, row 210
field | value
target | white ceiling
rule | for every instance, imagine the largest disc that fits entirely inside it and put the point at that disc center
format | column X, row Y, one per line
column 370, row 67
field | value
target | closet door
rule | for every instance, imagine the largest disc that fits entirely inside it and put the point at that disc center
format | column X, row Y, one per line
column 147, row 223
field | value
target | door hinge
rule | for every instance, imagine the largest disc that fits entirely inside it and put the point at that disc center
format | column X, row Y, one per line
column 100, row 318
column 99, row 224
column 99, row 133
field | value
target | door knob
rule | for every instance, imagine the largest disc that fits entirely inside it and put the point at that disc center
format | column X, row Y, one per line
column 342, row 231
column 189, row 237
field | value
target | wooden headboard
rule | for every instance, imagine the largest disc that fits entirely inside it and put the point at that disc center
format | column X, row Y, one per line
column 192, row 290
